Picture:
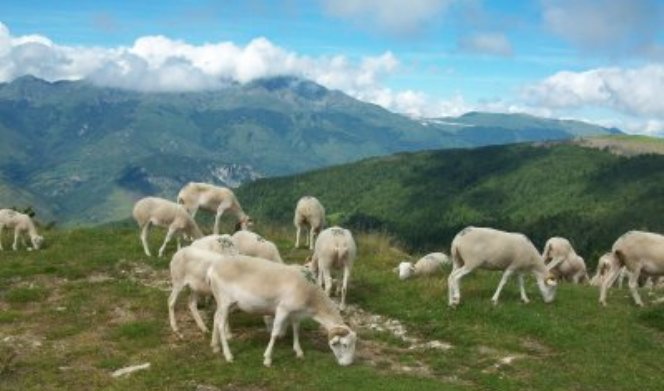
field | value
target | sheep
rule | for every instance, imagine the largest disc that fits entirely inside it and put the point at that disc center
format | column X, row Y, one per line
column 641, row 253
column 603, row 267
column 308, row 212
column 22, row 225
column 164, row 213
column 429, row 264
column 288, row 292
column 254, row 245
column 334, row 249
column 216, row 199
column 563, row 262
column 492, row 249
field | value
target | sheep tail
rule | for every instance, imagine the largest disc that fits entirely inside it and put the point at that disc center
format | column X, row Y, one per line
column 457, row 259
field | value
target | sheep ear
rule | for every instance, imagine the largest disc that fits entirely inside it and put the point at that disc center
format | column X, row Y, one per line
column 338, row 331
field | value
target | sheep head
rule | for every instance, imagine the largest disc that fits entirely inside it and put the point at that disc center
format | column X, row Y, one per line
column 342, row 341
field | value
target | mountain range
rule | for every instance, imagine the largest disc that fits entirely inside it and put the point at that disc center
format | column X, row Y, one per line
column 80, row 153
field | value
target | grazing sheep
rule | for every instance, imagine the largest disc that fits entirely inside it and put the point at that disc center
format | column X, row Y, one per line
column 288, row 292
column 215, row 199
column 429, row 264
column 334, row 249
column 563, row 262
column 308, row 212
column 492, row 249
column 641, row 253
column 22, row 225
column 164, row 213
column 253, row 245
column 189, row 267
column 603, row 267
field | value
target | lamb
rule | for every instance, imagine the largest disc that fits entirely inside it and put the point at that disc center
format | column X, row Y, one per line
column 22, row 225
column 563, row 262
column 334, row 249
column 189, row 267
column 164, row 213
column 308, row 212
column 254, row 245
column 216, row 199
column 288, row 292
column 492, row 249
column 429, row 264
column 641, row 253
column 603, row 267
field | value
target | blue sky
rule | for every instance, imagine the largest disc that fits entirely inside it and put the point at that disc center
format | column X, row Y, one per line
column 599, row 60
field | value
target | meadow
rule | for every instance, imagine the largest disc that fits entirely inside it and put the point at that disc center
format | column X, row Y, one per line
column 91, row 303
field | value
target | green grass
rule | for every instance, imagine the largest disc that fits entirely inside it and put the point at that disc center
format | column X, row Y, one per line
column 88, row 305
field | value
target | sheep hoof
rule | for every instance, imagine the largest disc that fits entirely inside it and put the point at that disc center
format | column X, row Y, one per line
column 494, row 302
column 267, row 362
column 215, row 349
column 229, row 358
column 299, row 355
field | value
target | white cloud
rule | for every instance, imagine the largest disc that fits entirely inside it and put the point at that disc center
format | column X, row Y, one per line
column 611, row 26
column 495, row 44
column 391, row 16
column 632, row 91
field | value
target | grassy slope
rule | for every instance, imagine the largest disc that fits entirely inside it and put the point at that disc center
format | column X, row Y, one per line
column 424, row 199
column 93, row 303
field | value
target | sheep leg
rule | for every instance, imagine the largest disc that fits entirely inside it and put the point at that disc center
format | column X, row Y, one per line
column 454, row 281
column 327, row 275
column 311, row 238
column 144, row 238
column 193, row 307
column 609, row 279
column 296, row 339
column 16, row 235
column 169, row 236
column 2, row 227
column 501, row 284
column 633, row 284
column 298, row 233
column 344, row 287
column 220, row 320
column 220, row 211
column 171, row 307
column 280, row 317
column 524, row 297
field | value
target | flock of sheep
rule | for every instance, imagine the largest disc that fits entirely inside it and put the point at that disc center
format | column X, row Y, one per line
column 245, row 271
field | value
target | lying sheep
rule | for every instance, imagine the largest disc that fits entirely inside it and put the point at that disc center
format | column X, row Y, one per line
column 492, row 249
column 563, row 262
column 429, row 264
column 308, row 212
column 254, row 245
column 189, row 267
column 641, row 253
column 288, row 292
column 334, row 249
column 215, row 199
column 164, row 213
column 22, row 225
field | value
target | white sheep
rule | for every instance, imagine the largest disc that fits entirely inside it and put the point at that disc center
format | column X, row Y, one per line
column 164, row 213
column 428, row 265
column 22, row 225
column 216, row 199
column 492, row 249
column 641, row 253
column 189, row 267
column 563, row 262
column 254, row 245
column 288, row 292
column 334, row 249
column 309, row 212
column 603, row 267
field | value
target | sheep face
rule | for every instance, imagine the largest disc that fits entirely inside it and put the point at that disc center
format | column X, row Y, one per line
column 342, row 342
column 37, row 241
column 548, row 288
column 405, row 270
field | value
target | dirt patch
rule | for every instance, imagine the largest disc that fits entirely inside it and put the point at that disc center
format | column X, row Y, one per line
column 359, row 318
column 144, row 274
